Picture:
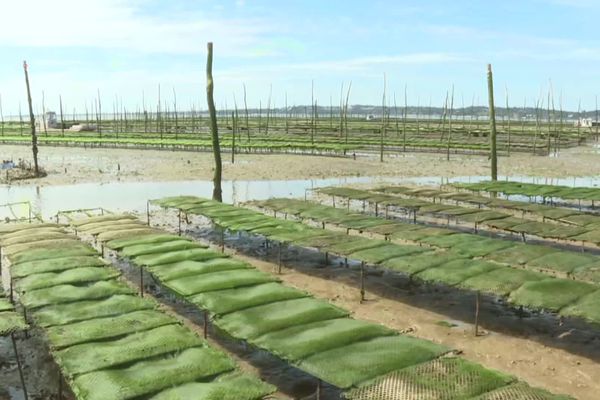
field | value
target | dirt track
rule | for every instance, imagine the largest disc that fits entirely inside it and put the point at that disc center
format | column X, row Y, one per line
column 79, row 165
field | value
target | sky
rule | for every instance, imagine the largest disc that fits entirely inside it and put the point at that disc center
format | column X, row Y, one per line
column 125, row 49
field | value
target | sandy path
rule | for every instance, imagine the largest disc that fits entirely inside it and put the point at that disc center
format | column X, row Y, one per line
column 106, row 165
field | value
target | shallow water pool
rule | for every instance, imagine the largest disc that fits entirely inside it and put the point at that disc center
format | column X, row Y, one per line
column 132, row 196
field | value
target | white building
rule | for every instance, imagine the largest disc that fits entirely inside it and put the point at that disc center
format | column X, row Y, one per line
column 49, row 121
column 585, row 123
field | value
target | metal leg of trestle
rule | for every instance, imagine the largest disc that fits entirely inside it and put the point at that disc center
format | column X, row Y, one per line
column 141, row 282
column 362, row 281
column 477, row 301
column 318, row 394
column 279, row 258
column 19, row 366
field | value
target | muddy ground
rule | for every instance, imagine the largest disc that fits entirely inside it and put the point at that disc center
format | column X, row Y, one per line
column 78, row 165
column 561, row 358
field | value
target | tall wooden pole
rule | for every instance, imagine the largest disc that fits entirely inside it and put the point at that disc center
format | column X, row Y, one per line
column 20, row 120
column 34, row 147
column 62, row 121
column 405, row 116
column 175, row 111
column 493, row 155
column 246, row 112
column 382, row 119
column 44, row 113
column 450, row 125
column 508, row 119
column 99, row 115
column 1, row 116
column 346, row 111
column 597, row 121
column 342, row 111
column 312, row 115
column 217, row 192
column 269, row 109
column 233, row 131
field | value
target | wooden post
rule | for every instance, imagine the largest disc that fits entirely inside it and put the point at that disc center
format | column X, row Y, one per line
column 450, row 125
column 205, row 324
column 362, row 281
column 175, row 111
column 383, row 122
column 34, row 147
column 404, row 117
column 179, row 223
column 279, row 259
column 141, row 282
column 345, row 112
column 148, row 211
column 233, row 130
column 217, row 192
column 493, row 155
column 246, row 111
column 222, row 239
column 99, row 116
column 60, row 390
column 19, row 367
column 477, row 313
column 508, row 119
column 62, row 121
column 1, row 118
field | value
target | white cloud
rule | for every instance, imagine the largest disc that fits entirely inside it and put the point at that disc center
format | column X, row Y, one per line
column 359, row 64
column 575, row 3
column 453, row 30
column 122, row 24
column 78, row 89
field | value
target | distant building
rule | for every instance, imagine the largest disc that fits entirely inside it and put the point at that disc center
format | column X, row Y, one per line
column 49, row 121
column 586, row 123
